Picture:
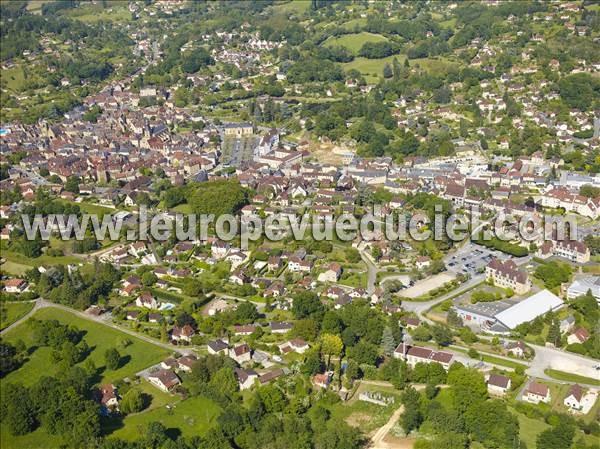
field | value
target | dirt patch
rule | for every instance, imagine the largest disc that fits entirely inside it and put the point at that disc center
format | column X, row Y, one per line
column 426, row 285
column 328, row 153
column 393, row 442
column 358, row 418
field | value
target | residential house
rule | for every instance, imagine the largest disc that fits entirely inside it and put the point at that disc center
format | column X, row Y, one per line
column 518, row 349
column 164, row 379
column 574, row 398
column 332, row 274
column 580, row 335
column 147, row 301
column 15, row 285
column 536, row 393
column 246, row 329
column 280, row 327
column 498, row 385
column 132, row 315
column 246, row 377
column 417, row 354
column 422, row 262
column 567, row 324
column 296, row 345
column 322, row 380
column 271, row 376
column 186, row 362
column 217, row 347
column 241, row 353
column 184, row 333
column 108, row 397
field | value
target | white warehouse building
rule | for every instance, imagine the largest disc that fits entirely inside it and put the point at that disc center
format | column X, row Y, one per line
column 580, row 287
column 504, row 316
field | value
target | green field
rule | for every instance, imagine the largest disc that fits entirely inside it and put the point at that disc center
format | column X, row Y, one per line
column 193, row 417
column 19, row 259
column 135, row 357
column 530, row 428
column 116, row 11
column 13, row 311
column 293, row 7
column 371, row 69
column 39, row 439
column 354, row 42
column 14, row 268
column 561, row 375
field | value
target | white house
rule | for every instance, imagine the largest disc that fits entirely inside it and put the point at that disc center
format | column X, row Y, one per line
column 498, row 385
column 332, row 274
column 246, row 377
column 574, row 397
column 146, row 300
column 536, row 393
column 164, row 379
column 241, row 353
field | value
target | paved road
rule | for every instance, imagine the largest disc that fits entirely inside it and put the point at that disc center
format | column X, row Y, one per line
column 562, row 361
column 42, row 303
column 559, row 360
column 372, row 271
column 36, row 306
column 420, row 307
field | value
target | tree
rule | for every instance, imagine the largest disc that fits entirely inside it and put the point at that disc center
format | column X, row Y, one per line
column 493, row 424
column 133, row 401
column 331, row 345
column 112, row 358
column 149, row 279
column 577, row 90
column 558, row 437
column 273, row 398
column 442, row 335
column 312, row 363
column 305, row 329
column 387, row 71
column 17, row 410
column 224, row 381
column 387, row 341
column 306, row 303
column 364, row 352
column 246, row 312
column 72, row 184
column 554, row 333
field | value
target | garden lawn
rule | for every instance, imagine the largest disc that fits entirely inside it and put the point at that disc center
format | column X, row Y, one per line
column 134, row 358
column 13, row 311
column 569, row 377
column 193, row 416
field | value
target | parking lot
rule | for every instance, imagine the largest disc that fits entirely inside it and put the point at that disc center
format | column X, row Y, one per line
column 472, row 259
column 238, row 151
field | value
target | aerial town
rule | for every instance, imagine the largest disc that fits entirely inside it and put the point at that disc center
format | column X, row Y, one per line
column 278, row 110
